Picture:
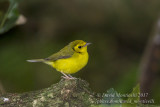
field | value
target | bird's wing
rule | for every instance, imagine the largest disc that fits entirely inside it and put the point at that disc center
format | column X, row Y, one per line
column 64, row 53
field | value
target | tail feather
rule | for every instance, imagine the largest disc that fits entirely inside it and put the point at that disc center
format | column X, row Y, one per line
column 36, row 60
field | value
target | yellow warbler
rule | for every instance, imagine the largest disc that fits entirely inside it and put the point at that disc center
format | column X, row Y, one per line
column 68, row 60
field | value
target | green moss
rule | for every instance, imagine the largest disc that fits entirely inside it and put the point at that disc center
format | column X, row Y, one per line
column 68, row 93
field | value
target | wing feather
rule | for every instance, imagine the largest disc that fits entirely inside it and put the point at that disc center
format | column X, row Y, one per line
column 64, row 53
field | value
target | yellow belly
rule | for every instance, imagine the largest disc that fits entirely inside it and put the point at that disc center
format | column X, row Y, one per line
column 71, row 65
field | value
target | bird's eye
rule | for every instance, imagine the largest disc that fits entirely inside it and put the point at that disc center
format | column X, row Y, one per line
column 79, row 47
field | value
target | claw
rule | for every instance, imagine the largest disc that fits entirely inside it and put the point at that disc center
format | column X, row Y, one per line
column 67, row 77
column 71, row 76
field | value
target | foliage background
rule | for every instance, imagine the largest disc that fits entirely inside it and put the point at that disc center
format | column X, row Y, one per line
column 118, row 29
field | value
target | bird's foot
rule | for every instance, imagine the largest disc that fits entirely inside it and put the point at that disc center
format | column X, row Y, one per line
column 67, row 77
column 71, row 76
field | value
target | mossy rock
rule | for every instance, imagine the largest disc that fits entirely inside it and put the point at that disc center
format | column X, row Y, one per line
column 66, row 93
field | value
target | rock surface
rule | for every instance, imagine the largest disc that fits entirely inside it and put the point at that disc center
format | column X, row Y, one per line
column 66, row 93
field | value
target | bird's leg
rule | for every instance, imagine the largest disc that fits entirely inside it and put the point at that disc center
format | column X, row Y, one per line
column 71, row 76
column 66, row 76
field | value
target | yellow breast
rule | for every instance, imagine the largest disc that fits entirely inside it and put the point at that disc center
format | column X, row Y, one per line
column 71, row 65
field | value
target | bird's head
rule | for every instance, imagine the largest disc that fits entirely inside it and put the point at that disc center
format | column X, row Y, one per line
column 79, row 46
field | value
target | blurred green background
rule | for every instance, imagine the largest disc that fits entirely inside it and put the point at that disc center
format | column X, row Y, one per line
column 118, row 30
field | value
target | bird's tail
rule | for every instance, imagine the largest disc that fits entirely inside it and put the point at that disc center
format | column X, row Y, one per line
column 36, row 60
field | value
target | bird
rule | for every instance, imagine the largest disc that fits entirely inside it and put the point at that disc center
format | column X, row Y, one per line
column 69, row 60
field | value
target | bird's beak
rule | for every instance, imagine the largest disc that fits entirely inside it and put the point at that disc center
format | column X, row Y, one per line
column 87, row 44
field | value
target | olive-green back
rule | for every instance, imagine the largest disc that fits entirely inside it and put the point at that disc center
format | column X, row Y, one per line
column 66, row 52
